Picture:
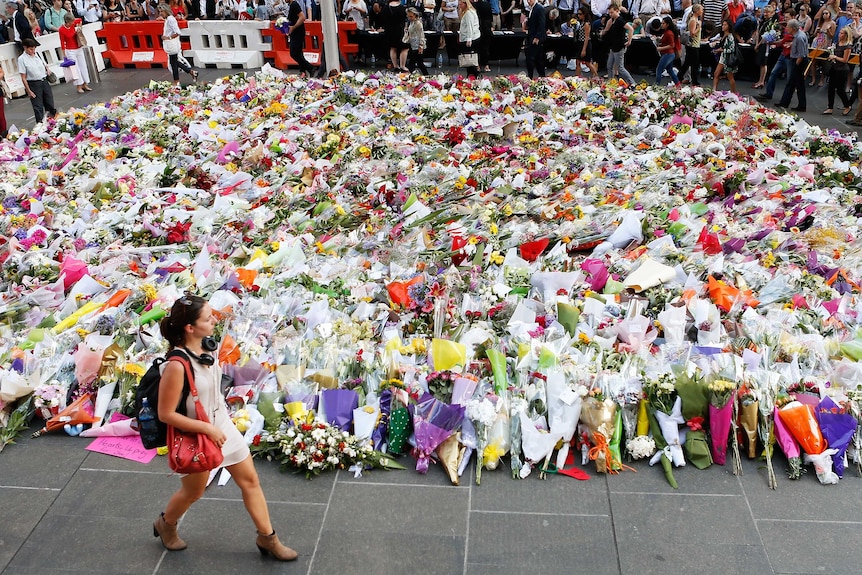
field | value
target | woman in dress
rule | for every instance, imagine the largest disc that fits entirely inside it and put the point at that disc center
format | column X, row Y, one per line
column 768, row 24
column 69, row 48
column 823, row 35
column 170, row 31
column 395, row 28
column 583, row 44
column 190, row 321
column 727, row 63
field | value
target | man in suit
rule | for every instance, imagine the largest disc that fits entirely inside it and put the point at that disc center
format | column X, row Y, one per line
column 20, row 25
column 534, row 52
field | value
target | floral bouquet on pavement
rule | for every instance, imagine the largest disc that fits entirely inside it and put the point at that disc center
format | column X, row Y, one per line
column 433, row 422
column 838, row 427
column 694, row 394
column 665, row 416
column 722, row 395
column 801, row 422
column 749, row 407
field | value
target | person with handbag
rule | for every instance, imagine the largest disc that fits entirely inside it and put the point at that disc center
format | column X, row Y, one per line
column 190, row 321
column 35, row 76
column 468, row 35
column 171, row 44
column 72, row 46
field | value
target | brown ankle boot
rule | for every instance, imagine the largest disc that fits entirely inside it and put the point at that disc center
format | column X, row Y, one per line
column 270, row 544
column 168, row 533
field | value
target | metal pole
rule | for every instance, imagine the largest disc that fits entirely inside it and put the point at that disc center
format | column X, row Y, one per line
column 329, row 26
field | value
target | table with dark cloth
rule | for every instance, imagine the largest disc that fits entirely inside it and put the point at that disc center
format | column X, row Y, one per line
column 375, row 44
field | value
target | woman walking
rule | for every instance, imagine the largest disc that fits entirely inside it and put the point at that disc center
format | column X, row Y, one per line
column 583, row 43
column 669, row 47
column 171, row 31
column 727, row 61
column 190, row 321
column 694, row 25
column 69, row 46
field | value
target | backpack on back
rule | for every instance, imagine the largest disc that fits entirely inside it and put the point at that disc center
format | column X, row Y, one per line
column 149, row 388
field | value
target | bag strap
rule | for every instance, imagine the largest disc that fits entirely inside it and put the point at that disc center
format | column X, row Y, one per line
column 181, row 357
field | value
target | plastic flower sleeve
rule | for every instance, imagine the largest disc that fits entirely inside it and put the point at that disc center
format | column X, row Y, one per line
column 838, row 429
column 748, row 413
column 669, row 424
column 788, row 446
column 802, row 424
column 720, row 419
column 564, row 411
column 498, row 368
column 823, row 466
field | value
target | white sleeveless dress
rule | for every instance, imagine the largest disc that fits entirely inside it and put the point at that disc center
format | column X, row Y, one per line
column 208, row 384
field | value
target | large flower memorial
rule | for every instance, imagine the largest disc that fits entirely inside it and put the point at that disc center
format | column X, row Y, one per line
column 547, row 277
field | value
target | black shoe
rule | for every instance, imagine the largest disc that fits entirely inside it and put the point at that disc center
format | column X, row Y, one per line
column 780, row 105
column 763, row 97
column 854, row 123
column 798, row 109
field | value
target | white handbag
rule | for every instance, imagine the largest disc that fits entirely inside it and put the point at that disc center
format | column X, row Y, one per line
column 172, row 46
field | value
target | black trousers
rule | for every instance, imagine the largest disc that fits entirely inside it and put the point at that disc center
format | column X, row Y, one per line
column 534, row 54
column 415, row 60
column 42, row 100
column 297, row 43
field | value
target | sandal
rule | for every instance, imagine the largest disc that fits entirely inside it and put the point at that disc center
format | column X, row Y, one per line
column 827, row 111
column 194, row 74
column 845, row 111
column 758, row 85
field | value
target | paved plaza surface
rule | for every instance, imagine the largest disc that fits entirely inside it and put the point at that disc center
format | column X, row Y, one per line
column 65, row 510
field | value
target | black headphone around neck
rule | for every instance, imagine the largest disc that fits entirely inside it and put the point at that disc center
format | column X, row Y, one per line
column 203, row 359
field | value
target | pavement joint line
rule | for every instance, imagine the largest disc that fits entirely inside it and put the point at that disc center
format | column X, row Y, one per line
column 540, row 513
column 613, row 524
column 159, row 563
column 467, row 528
column 31, row 488
column 677, row 494
column 323, row 522
column 370, row 484
column 754, row 522
column 142, row 472
column 810, row 521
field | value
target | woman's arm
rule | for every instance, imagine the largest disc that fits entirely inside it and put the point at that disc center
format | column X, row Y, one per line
column 170, row 395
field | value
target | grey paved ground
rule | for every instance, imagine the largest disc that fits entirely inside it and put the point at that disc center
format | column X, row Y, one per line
column 64, row 510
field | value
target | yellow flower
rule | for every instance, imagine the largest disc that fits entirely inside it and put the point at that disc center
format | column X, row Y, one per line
column 507, row 210
column 496, row 258
column 134, row 369
column 493, row 229
column 231, row 167
column 583, row 338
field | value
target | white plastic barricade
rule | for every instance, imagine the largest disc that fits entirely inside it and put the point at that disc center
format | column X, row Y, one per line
column 227, row 43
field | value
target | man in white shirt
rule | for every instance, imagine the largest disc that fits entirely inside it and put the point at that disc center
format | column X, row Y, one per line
column 89, row 10
column 599, row 7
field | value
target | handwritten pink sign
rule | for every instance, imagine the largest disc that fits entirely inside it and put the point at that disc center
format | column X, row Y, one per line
column 128, row 447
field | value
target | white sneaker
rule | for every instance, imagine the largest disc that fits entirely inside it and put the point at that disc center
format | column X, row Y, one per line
column 572, row 65
column 584, row 68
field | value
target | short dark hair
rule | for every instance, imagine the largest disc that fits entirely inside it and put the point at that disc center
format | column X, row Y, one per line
column 185, row 311
column 29, row 43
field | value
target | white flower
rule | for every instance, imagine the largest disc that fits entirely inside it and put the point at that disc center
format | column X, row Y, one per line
column 641, row 447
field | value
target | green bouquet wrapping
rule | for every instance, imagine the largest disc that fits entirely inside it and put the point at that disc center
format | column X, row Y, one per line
column 399, row 429
column 694, row 394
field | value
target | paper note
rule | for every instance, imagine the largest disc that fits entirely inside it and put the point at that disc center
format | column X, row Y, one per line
column 128, row 447
column 143, row 56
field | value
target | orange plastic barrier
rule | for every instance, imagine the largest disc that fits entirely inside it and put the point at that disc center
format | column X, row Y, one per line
column 280, row 53
column 136, row 44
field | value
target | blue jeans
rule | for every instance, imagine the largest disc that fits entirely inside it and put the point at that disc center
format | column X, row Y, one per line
column 780, row 67
column 795, row 83
column 617, row 61
column 666, row 63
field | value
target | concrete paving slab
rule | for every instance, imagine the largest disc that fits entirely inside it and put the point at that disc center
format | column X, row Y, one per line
column 715, row 479
column 397, row 509
column 100, row 493
column 21, row 509
column 346, row 551
column 47, row 461
column 279, row 486
column 813, row 547
column 86, row 544
column 540, row 543
column 703, row 559
column 221, row 539
column 556, row 494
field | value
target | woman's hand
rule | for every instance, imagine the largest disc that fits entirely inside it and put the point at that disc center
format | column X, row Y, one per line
column 468, row 43
column 217, row 435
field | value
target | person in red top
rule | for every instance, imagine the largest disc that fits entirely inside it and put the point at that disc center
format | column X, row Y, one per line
column 71, row 49
column 669, row 47
column 734, row 9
